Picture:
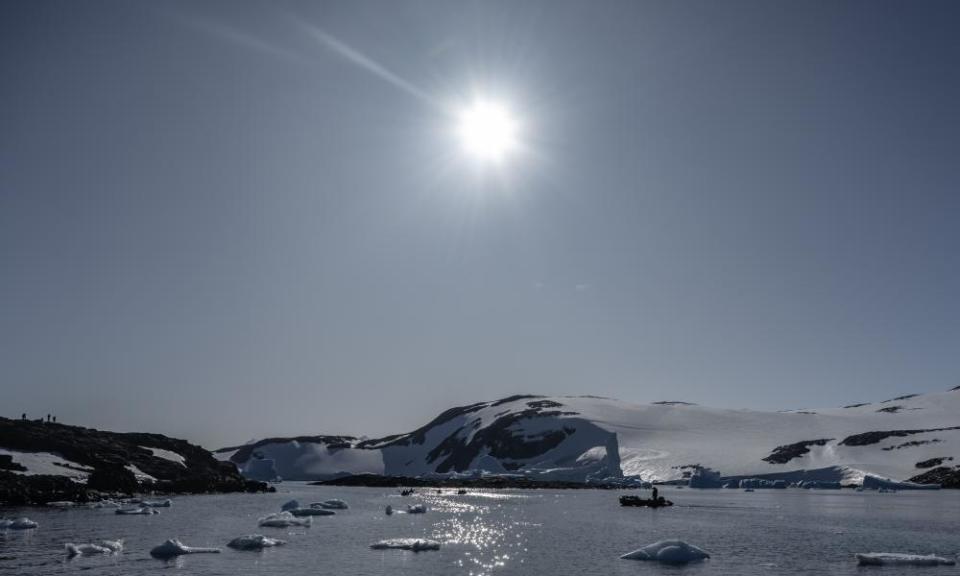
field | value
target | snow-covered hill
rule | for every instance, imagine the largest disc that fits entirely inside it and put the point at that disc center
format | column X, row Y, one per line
column 578, row 438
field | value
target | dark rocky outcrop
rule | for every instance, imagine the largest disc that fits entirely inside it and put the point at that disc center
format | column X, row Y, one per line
column 898, row 398
column 787, row 452
column 867, row 438
column 113, row 478
column 911, row 444
column 944, row 476
column 857, row 405
column 40, row 489
column 377, row 481
column 933, row 462
column 107, row 455
column 7, row 463
column 891, row 409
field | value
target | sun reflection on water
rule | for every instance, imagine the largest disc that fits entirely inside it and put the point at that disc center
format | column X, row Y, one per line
column 481, row 529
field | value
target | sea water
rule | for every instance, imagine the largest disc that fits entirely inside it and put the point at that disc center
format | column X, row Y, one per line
column 504, row 532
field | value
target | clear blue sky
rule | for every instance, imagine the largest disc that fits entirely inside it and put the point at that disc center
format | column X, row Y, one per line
column 215, row 224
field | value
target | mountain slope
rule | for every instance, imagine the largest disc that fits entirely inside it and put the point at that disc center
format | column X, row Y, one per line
column 43, row 461
column 577, row 438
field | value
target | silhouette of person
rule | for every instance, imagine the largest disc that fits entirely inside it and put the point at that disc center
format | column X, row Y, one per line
column 654, row 492
column 54, row 419
column 23, row 416
column 48, row 417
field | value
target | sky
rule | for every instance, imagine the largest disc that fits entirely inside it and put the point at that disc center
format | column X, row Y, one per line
column 228, row 220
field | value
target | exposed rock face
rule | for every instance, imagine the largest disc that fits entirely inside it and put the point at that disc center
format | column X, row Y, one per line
column 109, row 454
column 787, row 452
column 933, row 462
column 39, row 489
column 944, row 476
column 112, row 479
column 867, row 438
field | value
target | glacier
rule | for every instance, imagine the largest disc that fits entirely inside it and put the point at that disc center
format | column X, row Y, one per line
column 591, row 439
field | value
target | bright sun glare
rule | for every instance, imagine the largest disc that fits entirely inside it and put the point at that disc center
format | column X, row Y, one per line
column 488, row 131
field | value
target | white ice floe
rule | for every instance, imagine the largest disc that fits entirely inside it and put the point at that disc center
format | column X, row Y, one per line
column 668, row 552
column 136, row 511
column 291, row 505
column 254, row 542
column 157, row 503
column 893, row 559
column 415, row 544
column 284, row 520
column 104, row 504
column 301, row 512
column 19, row 524
column 333, row 504
column 417, row 509
column 103, row 547
column 167, row 455
column 174, row 547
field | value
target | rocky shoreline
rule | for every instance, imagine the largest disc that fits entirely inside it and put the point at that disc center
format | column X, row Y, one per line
column 110, row 463
column 377, row 481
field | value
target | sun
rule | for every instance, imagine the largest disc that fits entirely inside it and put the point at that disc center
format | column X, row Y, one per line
column 488, row 131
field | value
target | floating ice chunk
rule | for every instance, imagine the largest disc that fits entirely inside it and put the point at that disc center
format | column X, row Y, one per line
column 104, row 504
column 254, row 542
column 300, row 512
column 417, row 509
column 22, row 524
column 103, row 547
column 113, row 545
column 668, row 552
column 62, row 504
column 893, row 559
column 415, row 544
column 333, row 503
column 174, row 547
column 157, row 503
column 136, row 511
column 284, row 520
column 291, row 505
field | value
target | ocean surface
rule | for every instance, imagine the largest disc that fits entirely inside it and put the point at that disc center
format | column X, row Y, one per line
column 506, row 532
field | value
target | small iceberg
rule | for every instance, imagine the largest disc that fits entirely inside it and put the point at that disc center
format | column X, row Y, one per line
column 417, row 509
column 668, row 552
column 174, row 547
column 300, row 512
column 892, row 559
column 19, row 524
column 333, row 504
column 104, row 504
column 157, row 503
column 291, row 505
column 136, row 511
column 62, row 504
column 254, row 542
column 414, row 544
column 103, row 547
column 284, row 520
